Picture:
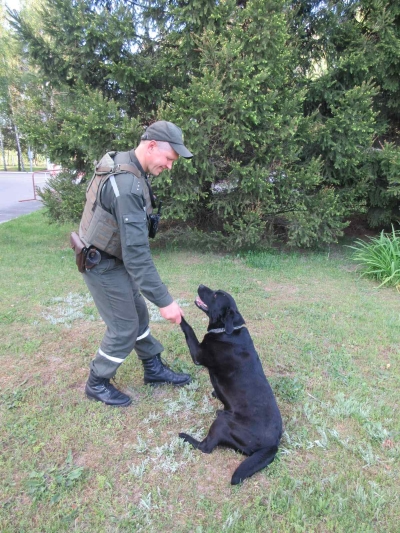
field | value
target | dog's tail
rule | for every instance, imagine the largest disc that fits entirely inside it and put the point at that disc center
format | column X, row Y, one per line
column 258, row 460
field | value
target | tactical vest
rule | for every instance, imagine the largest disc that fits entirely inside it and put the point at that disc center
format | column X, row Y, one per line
column 98, row 227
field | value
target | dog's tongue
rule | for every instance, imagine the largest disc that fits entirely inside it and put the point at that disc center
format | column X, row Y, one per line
column 200, row 302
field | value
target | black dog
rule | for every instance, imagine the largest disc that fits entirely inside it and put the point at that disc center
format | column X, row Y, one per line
column 250, row 421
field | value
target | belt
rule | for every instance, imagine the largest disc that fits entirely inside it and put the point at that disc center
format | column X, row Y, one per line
column 105, row 255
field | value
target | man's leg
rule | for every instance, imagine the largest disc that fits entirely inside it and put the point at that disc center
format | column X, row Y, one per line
column 125, row 313
column 149, row 349
column 146, row 346
column 110, row 286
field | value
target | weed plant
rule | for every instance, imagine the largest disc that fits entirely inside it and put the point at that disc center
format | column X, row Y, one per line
column 379, row 257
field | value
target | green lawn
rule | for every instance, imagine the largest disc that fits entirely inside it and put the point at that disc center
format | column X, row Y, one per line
column 329, row 344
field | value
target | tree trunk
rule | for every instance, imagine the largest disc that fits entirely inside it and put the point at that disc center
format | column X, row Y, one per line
column 20, row 160
column 2, row 150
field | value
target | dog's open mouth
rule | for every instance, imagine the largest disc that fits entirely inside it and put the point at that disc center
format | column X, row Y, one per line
column 199, row 302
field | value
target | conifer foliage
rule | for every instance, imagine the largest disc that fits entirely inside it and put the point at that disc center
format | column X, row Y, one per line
column 291, row 108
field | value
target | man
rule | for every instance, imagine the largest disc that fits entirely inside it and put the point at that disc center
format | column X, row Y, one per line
column 115, row 223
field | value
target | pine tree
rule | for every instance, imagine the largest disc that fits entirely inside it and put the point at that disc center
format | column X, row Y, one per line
column 243, row 115
column 351, row 52
column 285, row 104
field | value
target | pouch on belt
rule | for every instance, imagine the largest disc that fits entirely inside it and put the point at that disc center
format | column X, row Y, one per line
column 80, row 251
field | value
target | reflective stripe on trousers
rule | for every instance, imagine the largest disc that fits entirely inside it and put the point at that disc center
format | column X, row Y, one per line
column 124, row 311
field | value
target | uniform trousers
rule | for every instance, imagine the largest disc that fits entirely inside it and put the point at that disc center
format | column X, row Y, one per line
column 124, row 311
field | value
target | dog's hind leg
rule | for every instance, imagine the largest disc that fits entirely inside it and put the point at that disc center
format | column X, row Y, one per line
column 258, row 460
column 206, row 446
column 191, row 440
column 214, row 437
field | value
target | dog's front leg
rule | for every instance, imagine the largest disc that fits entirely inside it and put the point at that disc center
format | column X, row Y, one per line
column 192, row 342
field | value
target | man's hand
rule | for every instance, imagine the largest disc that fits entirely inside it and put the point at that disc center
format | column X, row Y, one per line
column 173, row 313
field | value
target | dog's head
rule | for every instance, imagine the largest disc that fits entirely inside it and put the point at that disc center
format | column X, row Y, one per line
column 220, row 308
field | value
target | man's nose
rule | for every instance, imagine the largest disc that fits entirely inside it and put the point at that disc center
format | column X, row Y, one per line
column 169, row 165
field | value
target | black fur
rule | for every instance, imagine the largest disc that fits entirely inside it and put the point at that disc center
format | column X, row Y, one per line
column 250, row 421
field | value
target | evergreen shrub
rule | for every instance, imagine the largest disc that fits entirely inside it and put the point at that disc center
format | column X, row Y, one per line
column 63, row 196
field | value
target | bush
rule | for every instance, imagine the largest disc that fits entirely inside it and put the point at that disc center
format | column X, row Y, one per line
column 188, row 237
column 63, row 197
column 380, row 257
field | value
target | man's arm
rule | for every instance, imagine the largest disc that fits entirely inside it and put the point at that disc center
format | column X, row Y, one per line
column 129, row 210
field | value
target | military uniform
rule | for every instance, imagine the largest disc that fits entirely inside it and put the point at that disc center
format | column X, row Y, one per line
column 119, row 267
column 116, row 285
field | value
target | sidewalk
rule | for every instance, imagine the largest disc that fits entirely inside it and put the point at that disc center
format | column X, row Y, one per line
column 17, row 194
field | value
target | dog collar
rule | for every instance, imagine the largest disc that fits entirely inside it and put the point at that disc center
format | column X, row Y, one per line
column 222, row 330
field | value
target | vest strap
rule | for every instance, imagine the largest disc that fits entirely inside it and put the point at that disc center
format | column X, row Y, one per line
column 108, row 172
column 123, row 167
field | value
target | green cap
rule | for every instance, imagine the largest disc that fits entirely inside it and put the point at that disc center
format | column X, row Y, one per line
column 167, row 132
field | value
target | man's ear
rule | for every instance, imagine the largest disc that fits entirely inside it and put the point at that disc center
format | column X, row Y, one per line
column 151, row 145
column 228, row 320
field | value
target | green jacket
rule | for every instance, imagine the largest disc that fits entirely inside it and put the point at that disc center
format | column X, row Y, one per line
column 127, row 199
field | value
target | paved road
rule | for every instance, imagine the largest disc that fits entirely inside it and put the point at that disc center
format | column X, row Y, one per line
column 17, row 193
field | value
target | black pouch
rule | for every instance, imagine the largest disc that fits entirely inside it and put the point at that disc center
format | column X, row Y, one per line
column 154, row 219
column 93, row 258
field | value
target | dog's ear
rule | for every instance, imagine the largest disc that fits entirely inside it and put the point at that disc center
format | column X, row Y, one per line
column 228, row 320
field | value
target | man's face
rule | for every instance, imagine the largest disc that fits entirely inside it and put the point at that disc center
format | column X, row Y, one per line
column 161, row 156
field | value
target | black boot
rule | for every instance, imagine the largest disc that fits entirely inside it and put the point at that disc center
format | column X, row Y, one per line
column 100, row 389
column 157, row 373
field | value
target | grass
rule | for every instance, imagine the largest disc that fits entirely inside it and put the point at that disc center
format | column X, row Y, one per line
column 328, row 341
